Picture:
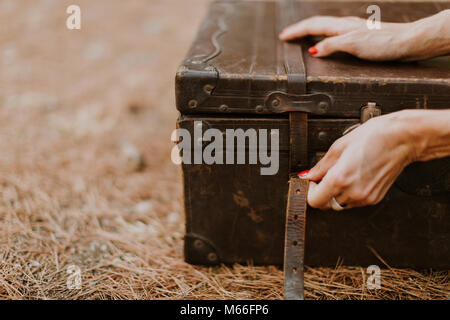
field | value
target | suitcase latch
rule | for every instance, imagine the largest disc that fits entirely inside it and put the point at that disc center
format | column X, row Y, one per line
column 369, row 111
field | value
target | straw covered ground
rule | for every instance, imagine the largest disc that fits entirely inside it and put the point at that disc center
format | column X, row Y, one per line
column 86, row 181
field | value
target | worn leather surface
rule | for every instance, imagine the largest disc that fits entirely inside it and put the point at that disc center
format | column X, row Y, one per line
column 294, row 250
column 242, row 213
column 235, row 66
column 238, row 55
column 298, row 131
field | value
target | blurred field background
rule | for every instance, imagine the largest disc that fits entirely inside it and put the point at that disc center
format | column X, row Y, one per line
column 85, row 171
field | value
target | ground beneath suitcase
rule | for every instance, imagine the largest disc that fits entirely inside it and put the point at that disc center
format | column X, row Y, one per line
column 85, row 172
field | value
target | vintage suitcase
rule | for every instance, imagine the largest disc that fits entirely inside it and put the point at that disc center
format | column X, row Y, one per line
column 238, row 75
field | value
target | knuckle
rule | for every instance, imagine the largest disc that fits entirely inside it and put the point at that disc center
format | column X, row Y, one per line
column 297, row 26
column 351, row 44
column 372, row 199
column 355, row 35
column 340, row 181
column 337, row 146
column 359, row 196
column 325, row 45
column 352, row 40
column 312, row 20
column 314, row 203
column 315, row 200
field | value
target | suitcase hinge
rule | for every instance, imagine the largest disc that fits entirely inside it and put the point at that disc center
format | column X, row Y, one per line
column 316, row 103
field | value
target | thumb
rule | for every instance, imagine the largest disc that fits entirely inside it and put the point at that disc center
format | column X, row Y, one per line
column 330, row 45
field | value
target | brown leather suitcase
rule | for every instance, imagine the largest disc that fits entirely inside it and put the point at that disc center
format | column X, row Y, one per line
column 239, row 75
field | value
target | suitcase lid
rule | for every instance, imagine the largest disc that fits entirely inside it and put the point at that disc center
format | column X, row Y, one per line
column 238, row 65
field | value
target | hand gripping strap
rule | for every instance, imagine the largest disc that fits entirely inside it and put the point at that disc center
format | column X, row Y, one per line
column 295, row 239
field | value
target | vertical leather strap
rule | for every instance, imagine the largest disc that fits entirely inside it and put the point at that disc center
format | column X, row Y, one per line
column 295, row 239
column 298, row 126
column 298, row 189
column 291, row 53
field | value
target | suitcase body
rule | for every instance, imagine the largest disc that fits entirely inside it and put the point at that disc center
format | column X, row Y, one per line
column 238, row 75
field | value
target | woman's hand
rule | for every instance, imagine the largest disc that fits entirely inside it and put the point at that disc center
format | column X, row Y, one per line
column 425, row 38
column 360, row 167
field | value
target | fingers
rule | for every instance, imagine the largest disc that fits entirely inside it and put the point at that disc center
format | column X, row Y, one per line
column 327, row 162
column 315, row 26
column 328, row 46
column 328, row 172
column 320, row 194
column 346, row 192
column 321, row 26
column 320, row 169
column 312, row 194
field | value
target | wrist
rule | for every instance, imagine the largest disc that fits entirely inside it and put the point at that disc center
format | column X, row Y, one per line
column 428, row 37
column 426, row 133
column 416, row 133
column 408, row 134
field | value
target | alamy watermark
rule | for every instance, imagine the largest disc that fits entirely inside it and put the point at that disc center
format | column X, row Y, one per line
column 374, row 279
column 74, row 277
column 374, row 20
column 73, row 22
column 209, row 147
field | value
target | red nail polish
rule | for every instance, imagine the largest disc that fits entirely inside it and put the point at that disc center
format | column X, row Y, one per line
column 303, row 173
column 313, row 50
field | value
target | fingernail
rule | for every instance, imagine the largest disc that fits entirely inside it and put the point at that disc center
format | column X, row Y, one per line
column 313, row 50
column 303, row 174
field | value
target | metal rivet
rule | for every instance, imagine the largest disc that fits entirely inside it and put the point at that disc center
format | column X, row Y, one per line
column 212, row 257
column 323, row 105
column 275, row 102
column 208, row 88
column 223, row 107
column 193, row 104
column 322, row 136
column 198, row 244
column 259, row 108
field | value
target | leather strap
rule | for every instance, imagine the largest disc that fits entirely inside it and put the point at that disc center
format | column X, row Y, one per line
column 298, row 189
column 295, row 239
column 291, row 53
column 298, row 127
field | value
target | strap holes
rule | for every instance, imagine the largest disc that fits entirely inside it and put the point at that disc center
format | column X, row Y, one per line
column 295, row 243
column 295, row 217
column 294, row 270
column 297, row 191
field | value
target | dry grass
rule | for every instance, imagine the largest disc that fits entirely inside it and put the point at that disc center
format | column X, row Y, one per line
column 76, row 109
